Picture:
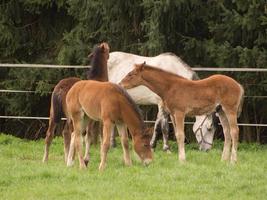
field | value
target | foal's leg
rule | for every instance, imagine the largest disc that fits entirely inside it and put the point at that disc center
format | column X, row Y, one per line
column 122, row 129
column 71, row 150
column 165, row 134
column 87, row 140
column 79, row 124
column 49, row 137
column 234, row 131
column 107, row 128
column 153, row 141
column 227, row 136
column 67, row 137
column 112, row 139
column 179, row 133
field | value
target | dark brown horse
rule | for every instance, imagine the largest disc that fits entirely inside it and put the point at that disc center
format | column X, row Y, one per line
column 183, row 97
column 109, row 103
column 58, row 108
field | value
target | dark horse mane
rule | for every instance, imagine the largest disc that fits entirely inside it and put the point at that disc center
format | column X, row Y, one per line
column 96, row 61
column 132, row 103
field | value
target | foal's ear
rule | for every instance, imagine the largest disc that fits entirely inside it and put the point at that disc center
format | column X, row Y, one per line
column 104, row 46
column 139, row 67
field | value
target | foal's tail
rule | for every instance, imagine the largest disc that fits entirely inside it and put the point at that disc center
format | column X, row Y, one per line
column 241, row 101
column 57, row 107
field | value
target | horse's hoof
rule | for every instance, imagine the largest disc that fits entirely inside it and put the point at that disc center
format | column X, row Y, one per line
column 70, row 163
column 86, row 162
column 168, row 151
column 83, row 167
column 101, row 168
column 182, row 162
column 113, row 145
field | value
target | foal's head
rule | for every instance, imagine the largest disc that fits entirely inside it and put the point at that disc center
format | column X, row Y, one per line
column 101, row 49
column 99, row 58
column 134, row 77
column 141, row 143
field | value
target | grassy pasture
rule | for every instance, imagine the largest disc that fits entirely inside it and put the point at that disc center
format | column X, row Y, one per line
column 204, row 176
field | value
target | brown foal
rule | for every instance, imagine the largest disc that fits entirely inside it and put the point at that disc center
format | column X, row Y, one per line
column 183, row 97
column 109, row 103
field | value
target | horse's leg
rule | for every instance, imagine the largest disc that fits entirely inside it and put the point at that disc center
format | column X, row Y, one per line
column 67, row 137
column 179, row 133
column 49, row 137
column 153, row 141
column 87, row 140
column 122, row 129
column 227, row 136
column 234, row 132
column 107, row 128
column 112, row 139
column 71, row 150
column 162, row 121
column 79, row 124
column 165, row 134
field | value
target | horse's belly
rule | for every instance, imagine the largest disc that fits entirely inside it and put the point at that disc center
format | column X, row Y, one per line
column 205, row 110
column 93, row 114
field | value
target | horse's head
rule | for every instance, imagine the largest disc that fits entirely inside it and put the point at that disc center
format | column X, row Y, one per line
column 102, row 48
column 133, row 78
column 141, row 143
column 204, row 130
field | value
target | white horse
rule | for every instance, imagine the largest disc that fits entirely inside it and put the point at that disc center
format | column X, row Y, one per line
column 120, row 64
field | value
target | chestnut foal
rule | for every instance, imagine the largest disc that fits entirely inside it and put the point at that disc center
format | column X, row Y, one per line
column 183, row 97
column 109, row 103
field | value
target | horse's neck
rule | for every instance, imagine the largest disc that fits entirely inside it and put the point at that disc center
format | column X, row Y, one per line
column 133, row 122
column 103, row 76
column 156, row 81
column 99, row 71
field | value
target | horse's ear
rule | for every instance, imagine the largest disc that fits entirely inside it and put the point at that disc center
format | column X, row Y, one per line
column 104, row 46
column 139, row 67
column 90, row 55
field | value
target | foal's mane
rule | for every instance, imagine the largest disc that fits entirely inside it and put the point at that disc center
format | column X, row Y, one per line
column 96, row 64
column 163, row 71
column 132, row 103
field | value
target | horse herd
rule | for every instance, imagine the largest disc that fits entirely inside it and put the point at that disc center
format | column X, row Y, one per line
column 164, row 80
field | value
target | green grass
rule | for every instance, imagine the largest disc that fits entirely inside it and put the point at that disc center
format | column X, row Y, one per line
column 203, row 176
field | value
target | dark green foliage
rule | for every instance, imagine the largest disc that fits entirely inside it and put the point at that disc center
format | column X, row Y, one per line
column 223, row 33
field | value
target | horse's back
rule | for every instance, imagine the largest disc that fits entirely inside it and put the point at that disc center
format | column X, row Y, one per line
column 120, row 64
column 223, row 80
column 66, row 83
column 124, row 63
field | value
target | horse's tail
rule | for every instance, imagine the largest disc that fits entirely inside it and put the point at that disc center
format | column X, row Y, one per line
column 57, row 107
column 241, row 101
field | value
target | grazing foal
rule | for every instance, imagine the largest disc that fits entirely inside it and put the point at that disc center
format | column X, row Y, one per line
column 186, row 97
column 58, row 107
column 109, row 103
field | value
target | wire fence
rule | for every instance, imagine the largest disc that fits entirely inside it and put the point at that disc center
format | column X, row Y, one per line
column 203, row 69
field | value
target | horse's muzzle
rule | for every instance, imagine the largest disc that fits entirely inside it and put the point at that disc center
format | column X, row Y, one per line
column 147, row 162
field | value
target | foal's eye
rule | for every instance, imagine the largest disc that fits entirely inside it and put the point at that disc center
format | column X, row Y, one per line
column 146, row 145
